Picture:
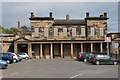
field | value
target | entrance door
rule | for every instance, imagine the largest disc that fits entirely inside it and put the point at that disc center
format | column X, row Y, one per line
column 46, row 51
column 56, row 50
column 22, row 48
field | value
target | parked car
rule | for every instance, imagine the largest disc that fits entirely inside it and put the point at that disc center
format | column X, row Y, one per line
column 3, row 64
column 23, row 55
column 15, row 58
column 85, row 56
column 7, row 57
column 19, row 58
column 103, row 59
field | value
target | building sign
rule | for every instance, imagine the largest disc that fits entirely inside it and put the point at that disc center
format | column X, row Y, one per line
column 107, row 39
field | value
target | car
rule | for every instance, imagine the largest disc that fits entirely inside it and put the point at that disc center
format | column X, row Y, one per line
column 15, row 57
column 19, row 58
column 86, row 56
column 23, row 55
column 3, row 64
column 7, row 57
column 103, row 59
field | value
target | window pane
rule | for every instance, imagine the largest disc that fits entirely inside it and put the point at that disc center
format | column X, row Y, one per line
column 92, row 31
column 73, row 32
column 65, row 32
column 46, row 32
column 83, row 31
column 55, row 32
column 36, row 32
column 101, row 32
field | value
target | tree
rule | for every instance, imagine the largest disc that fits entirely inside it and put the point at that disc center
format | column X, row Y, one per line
column 13, row 30
column 25, row 30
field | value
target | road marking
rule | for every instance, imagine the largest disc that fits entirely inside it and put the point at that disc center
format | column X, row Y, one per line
column 77, row 75
column 14, row 73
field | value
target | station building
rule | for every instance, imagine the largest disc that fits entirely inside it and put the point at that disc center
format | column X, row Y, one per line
column 59, row 38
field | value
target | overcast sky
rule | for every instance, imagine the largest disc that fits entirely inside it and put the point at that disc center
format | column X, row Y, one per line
column 12, row 11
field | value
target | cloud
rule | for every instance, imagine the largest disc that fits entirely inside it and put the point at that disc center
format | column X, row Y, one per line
column 12, row 11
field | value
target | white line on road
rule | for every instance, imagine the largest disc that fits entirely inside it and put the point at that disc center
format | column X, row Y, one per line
column 77, row 75
column 14, row 74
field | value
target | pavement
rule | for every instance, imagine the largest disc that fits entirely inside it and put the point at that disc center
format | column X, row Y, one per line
column 58, row 68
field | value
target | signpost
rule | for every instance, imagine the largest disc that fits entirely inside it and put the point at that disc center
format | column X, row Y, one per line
column 108, row 40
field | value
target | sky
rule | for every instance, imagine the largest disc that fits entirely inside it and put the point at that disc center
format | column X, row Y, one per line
column 12, row 11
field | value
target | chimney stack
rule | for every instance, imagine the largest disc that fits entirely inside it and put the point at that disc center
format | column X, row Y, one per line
column 87, row 14
column 32, row 14
column 18, row 26
column 50, row 14
column 67, row 17
column 101, row 15
column 105, row 14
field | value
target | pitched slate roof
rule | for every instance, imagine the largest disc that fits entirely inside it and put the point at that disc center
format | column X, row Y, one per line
column 41, row 18
column 70, row 22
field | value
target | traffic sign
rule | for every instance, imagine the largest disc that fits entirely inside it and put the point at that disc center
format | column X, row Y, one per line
column 107, row 39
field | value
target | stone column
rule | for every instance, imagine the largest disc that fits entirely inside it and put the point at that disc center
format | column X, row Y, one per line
column 112, row 47
column 71, row 50
column 91, row 47
column 81, row 47
column 41, row 51
column 101, row 47
column 51, row 52
column 61, row 50
column 15, row 48
column 30, row 50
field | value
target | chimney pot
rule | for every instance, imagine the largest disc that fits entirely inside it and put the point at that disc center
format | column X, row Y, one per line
column 32, row 14
column 87, row 14
column 50, row 14
column 67, row 17
column 105, row 14
column 101, row 15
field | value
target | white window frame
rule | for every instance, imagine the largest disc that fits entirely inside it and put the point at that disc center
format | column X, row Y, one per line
column 101, row 31
column 36, row 32
column 82, row 31
column 92, row 31
column 65, row 32
column 55, row 32
column 73, row 32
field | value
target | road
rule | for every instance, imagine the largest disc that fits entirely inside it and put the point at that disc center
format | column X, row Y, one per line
column 57, row 68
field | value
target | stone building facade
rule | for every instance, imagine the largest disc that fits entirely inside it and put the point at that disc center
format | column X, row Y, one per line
column 60, row 38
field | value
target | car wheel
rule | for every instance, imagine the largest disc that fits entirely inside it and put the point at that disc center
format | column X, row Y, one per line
column 85, row 60
column 26, row 58
column 8, row 61
column 97, row 62
column 115, row 62
column 14, row 60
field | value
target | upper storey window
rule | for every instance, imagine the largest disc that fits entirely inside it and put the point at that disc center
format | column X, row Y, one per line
column 65, row 32
column 92, row 31
column 83, row 31
column 36, row 30
column 46, row 32
column 55, row 32
column 73, row 32
column 102, row 31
